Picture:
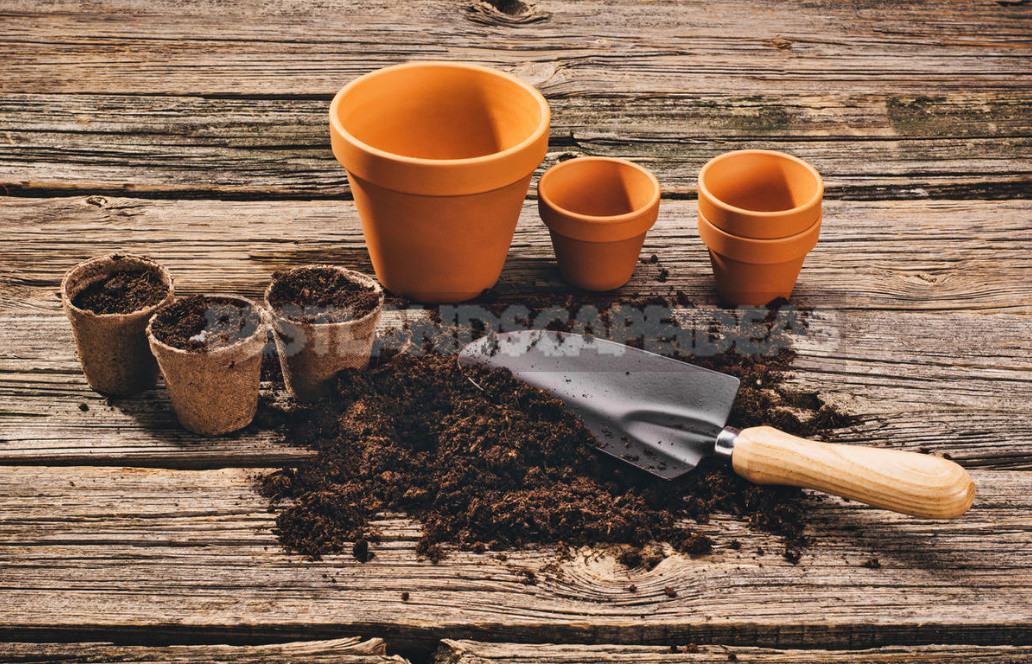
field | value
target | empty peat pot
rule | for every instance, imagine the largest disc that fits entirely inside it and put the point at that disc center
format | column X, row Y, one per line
column 324, row 320
column 439, row 156
column 598, row 210
column 108, row 301
column 209, row 348
column 760, row 215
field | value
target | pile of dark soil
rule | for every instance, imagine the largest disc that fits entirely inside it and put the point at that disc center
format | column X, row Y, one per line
column 122, row 292
column 509, row 466
column 321, row 295
column 202, row 323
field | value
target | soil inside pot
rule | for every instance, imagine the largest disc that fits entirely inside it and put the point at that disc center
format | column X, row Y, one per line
column 321, row 295
column 510, row 467
column 202, row 323
column 122, row 292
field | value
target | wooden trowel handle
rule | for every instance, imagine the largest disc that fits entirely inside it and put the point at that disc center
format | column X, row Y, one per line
column 906, row 482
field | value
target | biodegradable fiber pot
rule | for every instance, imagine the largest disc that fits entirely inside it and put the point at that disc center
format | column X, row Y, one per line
column 213, row 391
column 113, row 347
column 439, row 156
column 598, row 210
column 312, row 353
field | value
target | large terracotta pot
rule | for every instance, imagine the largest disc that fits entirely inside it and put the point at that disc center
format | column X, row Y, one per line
column 439, row 156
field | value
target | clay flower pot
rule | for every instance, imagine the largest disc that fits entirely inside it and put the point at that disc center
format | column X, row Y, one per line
column 213, row 385
column 755, row 272
column 760, row 194
column 113, row 346
column 598, row 210
column 439, row 156
column 315, row 341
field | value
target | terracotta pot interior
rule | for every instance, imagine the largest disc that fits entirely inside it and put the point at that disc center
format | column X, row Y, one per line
column 440, row 112
column 599, row 188
column 761, row 182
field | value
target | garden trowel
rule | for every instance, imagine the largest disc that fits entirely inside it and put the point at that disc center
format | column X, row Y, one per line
column 663, row 416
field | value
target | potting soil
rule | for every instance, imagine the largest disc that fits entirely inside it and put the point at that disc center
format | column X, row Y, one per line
column 509, row 467
column 321, row 295
column 203, row 323
column 122, row 292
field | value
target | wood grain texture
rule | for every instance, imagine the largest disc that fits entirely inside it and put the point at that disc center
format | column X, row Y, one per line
column 336, row 651
column 874, row 343
column 473, row 652
column 867, row 146
column 906, row 482
column 584, row 48
column 115, row 553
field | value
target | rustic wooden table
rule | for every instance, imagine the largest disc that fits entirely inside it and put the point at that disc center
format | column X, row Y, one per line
column 197, row 133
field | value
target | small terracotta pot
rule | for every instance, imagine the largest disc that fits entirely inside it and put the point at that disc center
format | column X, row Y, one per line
column 439, row 156
column 214, row 392
column 598, row 210
column 311, row 354
column 760, row 194
column 112, row 347
column 754, row 272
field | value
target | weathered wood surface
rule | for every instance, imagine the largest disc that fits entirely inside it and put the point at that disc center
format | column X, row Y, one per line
column 105, row 553
column 867, row 146
column 584, row 48
column 875, row 343
column 473, row 652
column 336, row 651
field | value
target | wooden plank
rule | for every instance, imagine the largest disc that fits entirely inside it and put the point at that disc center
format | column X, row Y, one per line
column 112, row 554
column 884, row 341
column 928, row 255
column 868, row 146
column 342, row 651
column 582, row 47
column 478, row 652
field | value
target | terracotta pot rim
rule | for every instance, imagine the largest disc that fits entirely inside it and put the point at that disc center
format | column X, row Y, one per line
column 353, row 275
column 806, row 240
column 534, row 137
column 704, row 191
column 166, row 277
column 597, row 220
column 259, row 330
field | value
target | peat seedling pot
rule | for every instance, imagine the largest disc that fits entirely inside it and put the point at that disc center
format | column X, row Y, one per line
column 598, row 210
column 108, row 301
column 209, row 348
column 755, row 272
column 439, row 156
column 760, row 194
column 324, row 320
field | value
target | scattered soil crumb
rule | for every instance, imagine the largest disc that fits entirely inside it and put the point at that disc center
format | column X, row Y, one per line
column 84, row 407
column 202, row 323
column 632, row 588
column 669, row 592
column 321, row 295
column 405, row 596
column 871, row 563
column 360, row 550
column 122, row 292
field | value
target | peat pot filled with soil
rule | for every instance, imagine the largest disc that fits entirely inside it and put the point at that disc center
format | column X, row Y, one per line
column 324, row 319
column 209, row 348
column 108, row 301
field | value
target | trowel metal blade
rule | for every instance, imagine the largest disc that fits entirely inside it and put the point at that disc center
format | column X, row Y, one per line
column 659, row 414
